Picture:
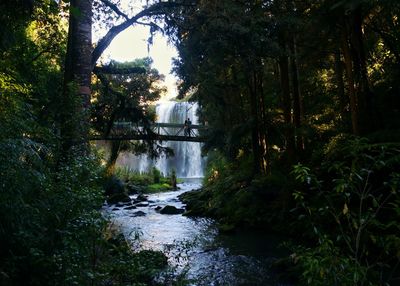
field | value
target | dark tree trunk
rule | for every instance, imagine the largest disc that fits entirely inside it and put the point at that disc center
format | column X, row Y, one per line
column 364, row 115
column 77, row 77
column 253, row 69
column 286, row 106
column 255, row 139
column 297, row 109
column 367, row 113
column 343, row 101
column 114, row 152
column 264, row 129
column 350, row 81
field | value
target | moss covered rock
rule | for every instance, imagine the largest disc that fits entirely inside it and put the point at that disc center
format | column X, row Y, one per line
column 171, row 210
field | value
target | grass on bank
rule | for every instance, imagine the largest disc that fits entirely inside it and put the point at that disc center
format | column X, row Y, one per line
column 148, row 182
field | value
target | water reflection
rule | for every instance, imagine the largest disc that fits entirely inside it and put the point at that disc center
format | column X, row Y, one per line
column 193, row 245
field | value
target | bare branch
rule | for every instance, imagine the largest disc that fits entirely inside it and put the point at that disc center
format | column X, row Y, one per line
column 45, row 51
column 114, row 70
column 114, row 7
column 153, row 25
column 156, row 9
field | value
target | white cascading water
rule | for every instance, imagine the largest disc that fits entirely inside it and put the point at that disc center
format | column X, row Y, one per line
column 187, row 161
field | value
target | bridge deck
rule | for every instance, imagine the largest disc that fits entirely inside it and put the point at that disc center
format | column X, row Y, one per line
column 161, row 132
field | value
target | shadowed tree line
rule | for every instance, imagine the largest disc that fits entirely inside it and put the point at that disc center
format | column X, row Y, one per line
column 289, row 72
column 301, row 99
column 52, row 180
column 302, row 103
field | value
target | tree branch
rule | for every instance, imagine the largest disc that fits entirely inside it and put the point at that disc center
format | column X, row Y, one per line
column 156, row 9
column 114, row 70
column 152, row 25
column 45, row 51
column 114, row 7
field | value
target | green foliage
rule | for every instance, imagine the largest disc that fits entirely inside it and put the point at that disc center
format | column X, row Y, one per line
column 233, row 195
column 352, row 213
column 125, row 96
column 137, row 178
column 158, row 187
column 52, row 231
column 49, row 226
column 125, row 93
column 147, row 182
column 125, row 267
column 156, row 175
column 173, row 179
column 324, row 264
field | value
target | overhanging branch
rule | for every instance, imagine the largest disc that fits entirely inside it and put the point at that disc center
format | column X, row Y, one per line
column 114, row 7
column 156, row 9
column 114, row 70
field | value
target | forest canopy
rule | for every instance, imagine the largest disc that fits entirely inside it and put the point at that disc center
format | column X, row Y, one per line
column 301, row 101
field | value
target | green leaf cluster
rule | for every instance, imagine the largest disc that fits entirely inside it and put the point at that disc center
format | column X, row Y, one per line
column 52, row 231
column 350, row 208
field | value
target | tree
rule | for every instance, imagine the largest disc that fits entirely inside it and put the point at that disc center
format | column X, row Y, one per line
column 77, row 76
column 224, row 71
column 123, row 93
column 286, row 81
column 81, row 60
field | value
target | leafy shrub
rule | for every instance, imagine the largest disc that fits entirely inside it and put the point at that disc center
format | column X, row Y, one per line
column 156, row 175
column 352, row 209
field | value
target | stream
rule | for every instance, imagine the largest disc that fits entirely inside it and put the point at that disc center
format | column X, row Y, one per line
column 193, row 246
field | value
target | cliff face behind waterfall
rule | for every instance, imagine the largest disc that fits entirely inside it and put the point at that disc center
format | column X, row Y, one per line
column 187, row 161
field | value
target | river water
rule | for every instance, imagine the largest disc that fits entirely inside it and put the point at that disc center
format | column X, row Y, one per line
column 194, row 247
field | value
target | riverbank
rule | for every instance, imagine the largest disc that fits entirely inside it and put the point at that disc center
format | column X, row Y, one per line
column 195, row 247
column 237, row 203
column 124, row 183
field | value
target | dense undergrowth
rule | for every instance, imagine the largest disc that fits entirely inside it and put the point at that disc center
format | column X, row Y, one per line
column 238, row 199
column 348, row 210
column 150, row 182
column 340, row 213
column 52, row 231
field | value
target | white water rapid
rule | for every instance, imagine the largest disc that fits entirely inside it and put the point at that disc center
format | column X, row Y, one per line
column 187, row 162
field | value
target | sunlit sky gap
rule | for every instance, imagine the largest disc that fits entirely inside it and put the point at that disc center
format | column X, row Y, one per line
column 132, row 44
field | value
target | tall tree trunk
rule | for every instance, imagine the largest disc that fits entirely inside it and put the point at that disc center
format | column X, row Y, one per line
column 350, row 80
column 262, row 125
column 367, row 112
column 297, row 109
column 114, row 152
column 255, row 130
column 264, row 128
column 286, row 106
column 254, row 109
column 77, row 77
column 343, row 101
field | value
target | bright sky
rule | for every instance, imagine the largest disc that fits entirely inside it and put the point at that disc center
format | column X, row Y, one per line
column 132, row 44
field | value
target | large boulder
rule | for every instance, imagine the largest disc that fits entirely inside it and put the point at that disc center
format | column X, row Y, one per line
column 142, row 204
column 141, row 198
column 118, row 198
column 114, row 186
column 171, row 210
column 134, row 189
column 138, row 213
column 115, row 192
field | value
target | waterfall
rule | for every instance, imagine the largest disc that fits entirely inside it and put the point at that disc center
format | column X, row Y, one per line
column 187, row 162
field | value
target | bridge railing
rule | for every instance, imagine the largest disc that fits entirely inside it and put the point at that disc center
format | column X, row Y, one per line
column 122, row 128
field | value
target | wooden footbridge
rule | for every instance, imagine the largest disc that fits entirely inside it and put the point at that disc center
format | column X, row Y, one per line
column 158, row 132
